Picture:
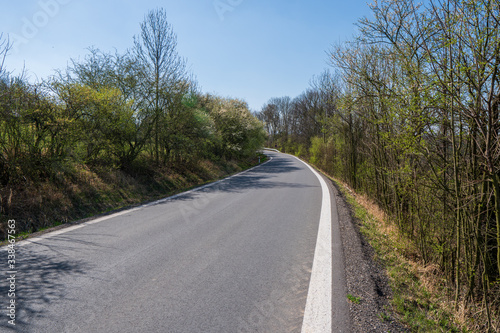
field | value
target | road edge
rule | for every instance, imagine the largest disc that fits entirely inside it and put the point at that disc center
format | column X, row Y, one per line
column 318, row 310
column 97, row 219
column 340, row 314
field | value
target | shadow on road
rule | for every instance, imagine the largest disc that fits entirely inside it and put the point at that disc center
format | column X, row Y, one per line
column 278, row 165
column 38, row 285
column 262, row 177
column 43, row 274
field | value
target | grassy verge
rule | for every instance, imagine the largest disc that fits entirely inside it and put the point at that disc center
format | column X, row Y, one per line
column 419, row 297
column 81, row 191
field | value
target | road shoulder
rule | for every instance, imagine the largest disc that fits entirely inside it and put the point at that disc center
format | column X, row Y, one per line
column 367, row 282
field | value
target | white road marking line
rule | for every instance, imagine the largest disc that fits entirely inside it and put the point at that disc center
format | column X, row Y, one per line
column 128, row 211
column 318, row 312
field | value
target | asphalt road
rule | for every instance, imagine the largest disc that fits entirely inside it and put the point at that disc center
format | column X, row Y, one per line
column 232, row 257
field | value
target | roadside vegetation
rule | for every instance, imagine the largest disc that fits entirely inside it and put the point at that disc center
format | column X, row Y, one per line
column 420, row 297
column 409, row 118
column 113, row 130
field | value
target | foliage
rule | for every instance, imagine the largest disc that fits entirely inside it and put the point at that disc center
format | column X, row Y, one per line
column 135, row 111
column 411, row 118
column 238, row 133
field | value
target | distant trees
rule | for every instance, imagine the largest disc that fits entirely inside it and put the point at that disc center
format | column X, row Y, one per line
column 411, row 118
column 292, row 122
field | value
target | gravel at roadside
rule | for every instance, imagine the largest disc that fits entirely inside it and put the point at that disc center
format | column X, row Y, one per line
column 366, row 279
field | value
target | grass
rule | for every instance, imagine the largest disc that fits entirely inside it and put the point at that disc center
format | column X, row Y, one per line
column 384, row 316
column 354, row 299
column 82, row 191
column 417, row 300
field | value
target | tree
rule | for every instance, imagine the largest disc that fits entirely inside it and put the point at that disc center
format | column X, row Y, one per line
column 162, row 69
column 88, row 85
column 413, row 121
column 104, row 120
column 5, row 47
column 239, row 133
column 270, row 117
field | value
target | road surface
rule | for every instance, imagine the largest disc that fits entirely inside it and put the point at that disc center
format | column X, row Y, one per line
column 232, row 257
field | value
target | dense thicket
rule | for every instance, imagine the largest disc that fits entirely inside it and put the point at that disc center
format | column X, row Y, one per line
column 411, row 118
column 113, row 109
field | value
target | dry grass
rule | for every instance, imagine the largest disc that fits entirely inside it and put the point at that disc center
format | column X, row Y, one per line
column 420, row 290
column 420, row 287
column 82, row 191
column 423, row 298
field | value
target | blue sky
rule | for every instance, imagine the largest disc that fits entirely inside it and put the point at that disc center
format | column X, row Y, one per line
column 249, row 49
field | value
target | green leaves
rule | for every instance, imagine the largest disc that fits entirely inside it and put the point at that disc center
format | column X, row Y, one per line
column 239, row 133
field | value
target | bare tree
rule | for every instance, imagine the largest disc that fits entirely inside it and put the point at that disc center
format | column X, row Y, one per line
column 270, row 116
column 163, row 70
column 5, row 47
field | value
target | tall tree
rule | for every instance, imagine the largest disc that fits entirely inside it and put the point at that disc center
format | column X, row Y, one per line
column 5, row 46
column 163, row 70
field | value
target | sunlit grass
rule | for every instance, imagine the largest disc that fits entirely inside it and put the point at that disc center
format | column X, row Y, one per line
column 82, row 192
column 417, row 299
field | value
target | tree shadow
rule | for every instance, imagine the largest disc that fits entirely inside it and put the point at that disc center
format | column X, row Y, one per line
column 44, row 269
column 278, row 165
column 262, row 177
column 39, row 284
